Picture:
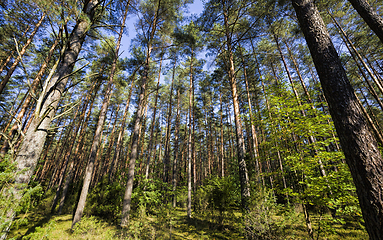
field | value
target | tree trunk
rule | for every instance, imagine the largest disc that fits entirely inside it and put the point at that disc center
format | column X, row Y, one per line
column 79, row 146
column 20, row 54
column 377, row 82
column 6, row 61
column 32, row 92
column 190, row 148
column 150, row 144
column 253, row 133
column 371, row 17
column 358, row 144
column 241, row 151
column 175, row 163
column 100, row 124
column 169, row 120
column 116, row 156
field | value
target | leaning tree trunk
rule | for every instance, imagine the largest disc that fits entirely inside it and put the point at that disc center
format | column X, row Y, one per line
column 359, row 146
column 20, row 55
column 371, row 17
column 31, row 93
column 47, row 105
column 96, row 141
column 137, row 126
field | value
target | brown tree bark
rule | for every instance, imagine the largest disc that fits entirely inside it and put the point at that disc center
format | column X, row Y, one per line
column 100, row 124
column 136, row 130
column 150, row 144
column 116, row 156
column 253, row 132
column 359, row 146
column 376, row 81
column 190, row 136
column 169, row 119
column 5, row 62
column 175, row 162
column 241, row 151
column 80, row 145
column 20, row 54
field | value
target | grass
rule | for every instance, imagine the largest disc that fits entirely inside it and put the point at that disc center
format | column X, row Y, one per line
column 164, row 224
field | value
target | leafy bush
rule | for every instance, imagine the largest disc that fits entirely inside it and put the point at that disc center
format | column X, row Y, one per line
column 105, row 200
column 151, row 194
column 218, row 199
column 266, row 219
column 8, row 201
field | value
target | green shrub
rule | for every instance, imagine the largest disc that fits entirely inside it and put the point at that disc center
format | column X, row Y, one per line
column 105, row 200
column 218, row 199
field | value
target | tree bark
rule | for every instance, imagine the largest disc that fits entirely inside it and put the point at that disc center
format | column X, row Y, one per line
column 358, row 144
column 371, row 17
column 169, row 119
column 190, row 148
column 175, row 163
column 150, row 144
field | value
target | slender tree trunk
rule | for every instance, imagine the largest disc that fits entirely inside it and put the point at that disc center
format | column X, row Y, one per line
column 6, row 61
column 190, row 148
column 152, row 128
column 221, row 148
column 376, row 81
column 168, row 123
column 107, row 161
column 175, row 164
column 241, row 151
column 20, row 54
column 137, row 125
column 135, row 142
column 253, row 133
column 121, row 133
column 358, row 144
column 80, row 145
column 100, row 124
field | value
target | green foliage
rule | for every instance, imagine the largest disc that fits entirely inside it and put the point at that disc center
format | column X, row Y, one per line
column 105, row 200
column 267, row 219
column 93, row 227
column 150, row 194
column 42, row 232
column 218, row 199
column 8, row 200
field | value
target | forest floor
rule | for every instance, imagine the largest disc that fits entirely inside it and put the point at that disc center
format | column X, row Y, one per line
column 164, row 224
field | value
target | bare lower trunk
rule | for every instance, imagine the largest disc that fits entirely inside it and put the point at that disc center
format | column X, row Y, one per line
column 241, row 151
column 175, row 163
column 134, row 150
